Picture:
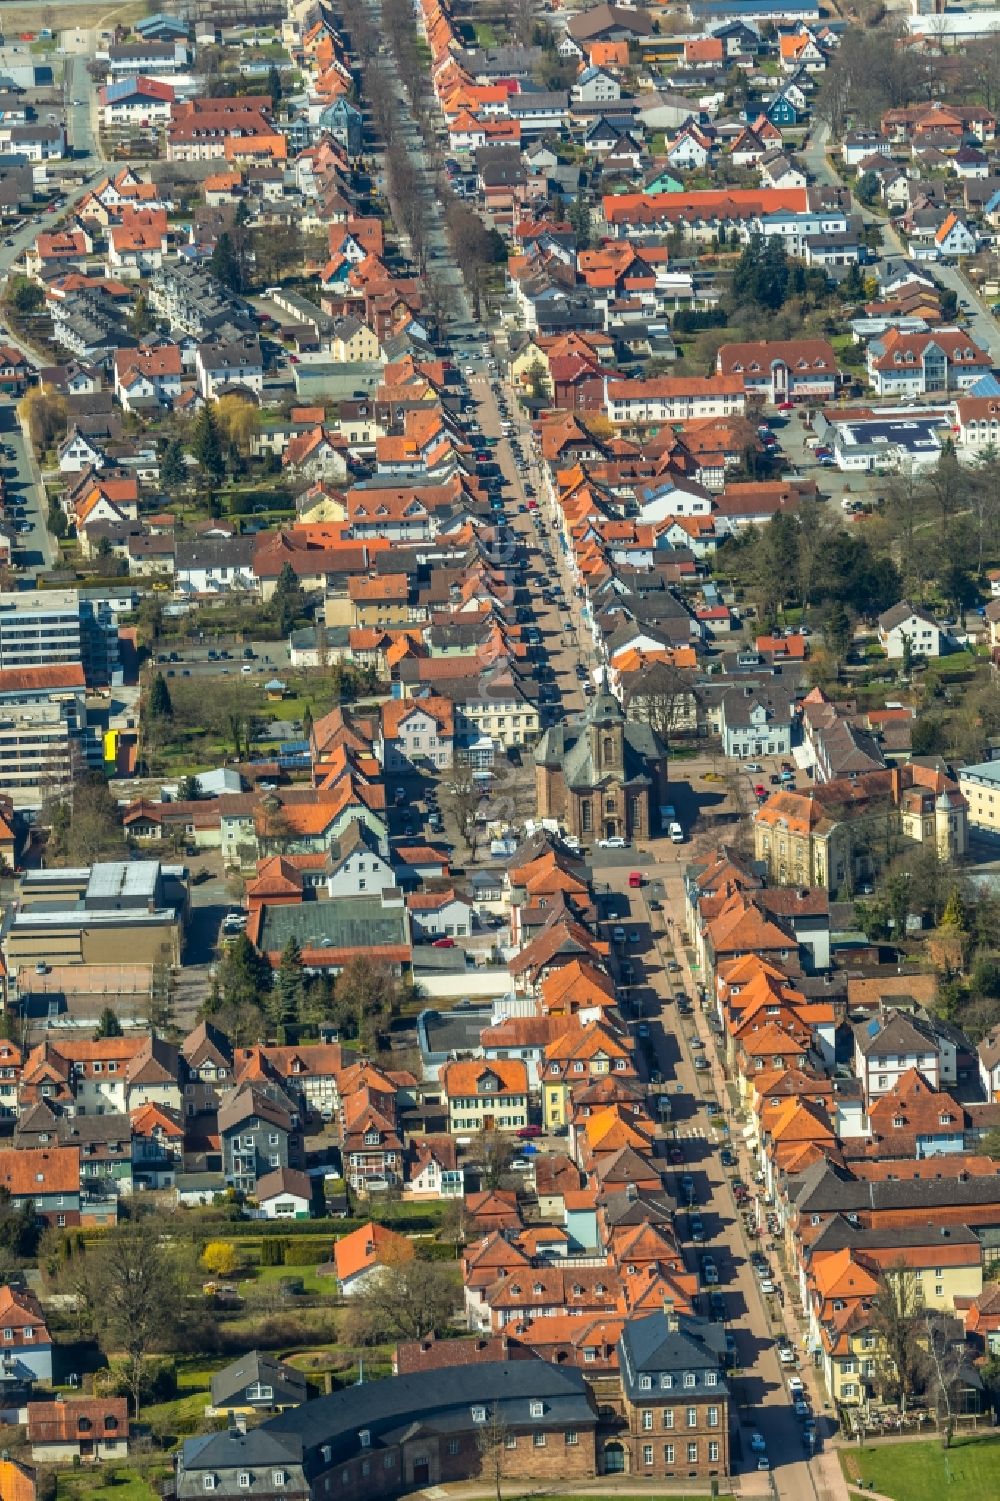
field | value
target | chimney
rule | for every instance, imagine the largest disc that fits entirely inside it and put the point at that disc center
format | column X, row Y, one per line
column 670, row 1315
column 896, row 785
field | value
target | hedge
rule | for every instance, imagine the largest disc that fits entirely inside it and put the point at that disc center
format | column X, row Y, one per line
column 692, row 321
column 305, row 1252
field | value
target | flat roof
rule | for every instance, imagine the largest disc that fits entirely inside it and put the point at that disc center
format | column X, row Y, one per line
column 457, row 1031
column 115, row 878
column 348, row 922
column 81, row 917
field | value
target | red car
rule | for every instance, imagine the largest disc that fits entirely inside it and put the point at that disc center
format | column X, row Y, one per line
column 527, row 1132
column 532, row 505
column 760, row 790
column 785, row 406
column 443, row 943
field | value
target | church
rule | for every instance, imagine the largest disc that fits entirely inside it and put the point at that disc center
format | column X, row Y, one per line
column 602, row 775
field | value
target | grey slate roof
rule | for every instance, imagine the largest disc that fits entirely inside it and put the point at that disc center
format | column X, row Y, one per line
column 289, row 1384
column 658, row 1345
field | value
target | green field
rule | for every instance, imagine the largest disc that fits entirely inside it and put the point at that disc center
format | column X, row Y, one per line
column 923, row 1471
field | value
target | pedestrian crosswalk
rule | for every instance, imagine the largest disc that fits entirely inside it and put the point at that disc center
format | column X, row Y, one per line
column 692, row 1133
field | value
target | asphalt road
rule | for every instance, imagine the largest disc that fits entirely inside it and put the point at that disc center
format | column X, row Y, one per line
column 35, row 550
column 761, row 1399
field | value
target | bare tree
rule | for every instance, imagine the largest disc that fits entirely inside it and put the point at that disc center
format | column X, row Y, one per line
column 491, row 1441
column 464, row 795
column 495, row 1153
column 409, row 1299
column 661, row 696
column 897, row 1316
column 946, row 1355
column 138, row 1297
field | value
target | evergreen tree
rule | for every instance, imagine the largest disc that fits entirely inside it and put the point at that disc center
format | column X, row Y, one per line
column 226, row 265
column 838, row 630
column 274, row 85
column 206, row 443
column 108, row 1025
column 244, row 974
column 289, row 989
column 160, row 706
column 288, row 601
column 173, row 470
column 579, row 218
column 142, row 321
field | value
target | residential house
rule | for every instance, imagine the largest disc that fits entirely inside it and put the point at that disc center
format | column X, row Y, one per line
column 258, row 1383
column 359, row 1256
column 80, row 1431
column 485, row 1096
column 906, row 628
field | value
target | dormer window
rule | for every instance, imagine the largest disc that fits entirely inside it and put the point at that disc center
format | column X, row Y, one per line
column 479, row 1414
column 538, row 1409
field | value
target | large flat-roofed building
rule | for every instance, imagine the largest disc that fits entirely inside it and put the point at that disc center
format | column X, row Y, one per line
column 59, row 626
column 44, row 735
column 868, row 438
column 113, row 912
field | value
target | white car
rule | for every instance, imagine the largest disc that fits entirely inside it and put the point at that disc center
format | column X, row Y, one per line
column 786, row 1355
column 766, row 1285
column 796, row 1386
column 753, row 766
column 616, row 842
column 757, row 1443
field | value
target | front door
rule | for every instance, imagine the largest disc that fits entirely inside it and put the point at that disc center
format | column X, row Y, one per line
column 421, row 1473
column 610, row 828
column 489, row 1122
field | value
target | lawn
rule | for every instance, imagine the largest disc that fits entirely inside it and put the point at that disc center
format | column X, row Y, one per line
column 129, row 1486
column 923, row 1471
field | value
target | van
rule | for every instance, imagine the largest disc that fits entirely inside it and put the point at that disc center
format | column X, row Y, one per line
column 676, row 833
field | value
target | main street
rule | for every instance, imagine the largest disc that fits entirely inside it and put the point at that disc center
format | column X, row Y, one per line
column 36, row 549
column 762, row 1399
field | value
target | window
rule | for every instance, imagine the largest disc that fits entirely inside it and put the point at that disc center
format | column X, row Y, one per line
column 647, row 1454
column 711, row 1379
column 666, row 1382
column 668, row 1454
column 243, row 1478
column 208, row 1482
column 692, row 1454
column 510, row 1441
column 572, row 1437
column 645, row 1383
column 692, row 1417
column 668, row 1417
column 278, row 1477
column 647, row 1418
column 479, row 1414
column 713, row 1417
column 454, row 1446
column 538, row 1439
column 537, row 1409
column 689, row 1378
column 713, row 1451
